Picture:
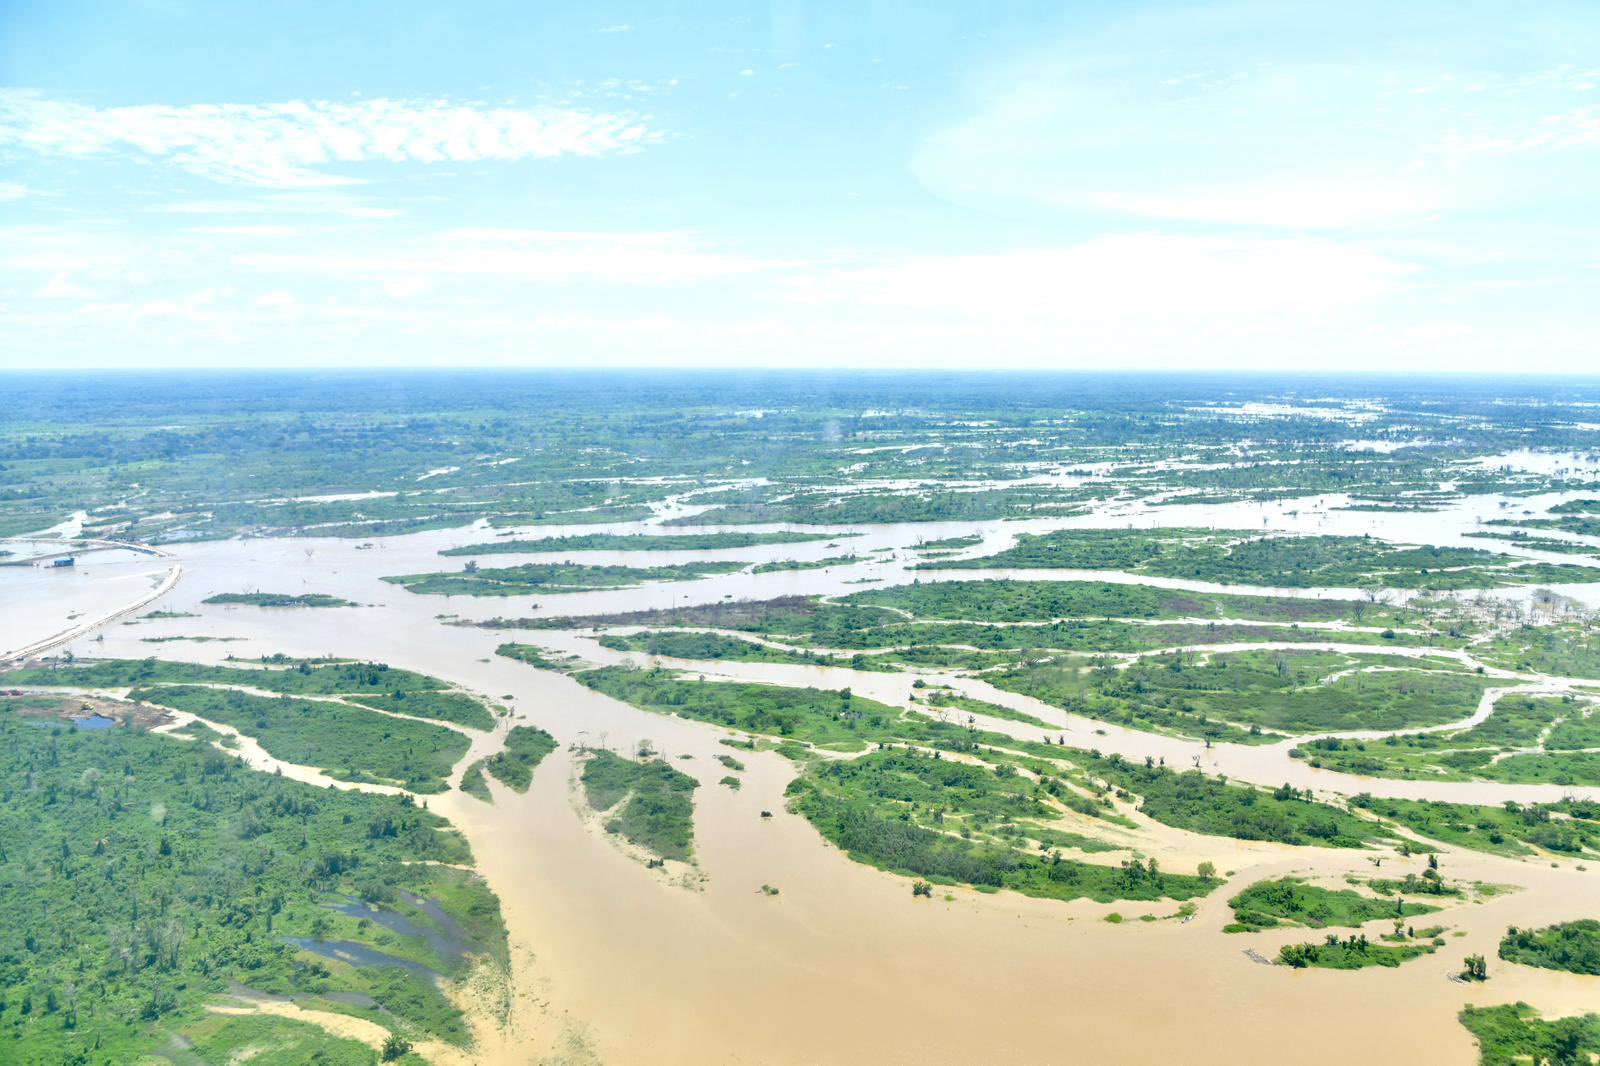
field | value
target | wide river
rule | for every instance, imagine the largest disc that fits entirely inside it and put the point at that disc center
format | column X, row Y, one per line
column 617, row 963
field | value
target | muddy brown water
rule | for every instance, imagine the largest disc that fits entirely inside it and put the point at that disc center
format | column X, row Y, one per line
column 628, row 965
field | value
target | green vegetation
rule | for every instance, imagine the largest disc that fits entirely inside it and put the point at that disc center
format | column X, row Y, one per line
column 474, row 784
column 1569, row 827
column 781, row 565
column 956, row 823
column 279, row 599
column 1523, row 539
column 142, row 876
column 1291, row 901
column 941, row 701
column 1211, row 805
column 947, row 544
column 214, row 456
column 271, row 1041
column 623, row 542
column 1235, row 696
column 1283, row 561
column 827, row 508
column 1354, row 952
column 339, row 736
column 455, row 707
column 826, row 718
column 526, row 747
column 836, row 720
column 858, row 623
column 1042, row 601
column 277, row 673
column 528, row 653
column 689, row 644
column 1567, row 649
column 647, row 802
column 1582, row 525
column 1081, row 615
column 1570, row 946
column 1513, row 1034
column 342, row 741
column 1541, row 731
column 548, row 579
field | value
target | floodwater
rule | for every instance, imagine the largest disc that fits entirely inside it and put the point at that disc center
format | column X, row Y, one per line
column 613, row 962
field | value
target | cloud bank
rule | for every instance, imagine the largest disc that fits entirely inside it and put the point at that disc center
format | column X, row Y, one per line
column 310, row 143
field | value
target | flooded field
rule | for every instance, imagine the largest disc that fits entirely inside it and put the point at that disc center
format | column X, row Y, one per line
column 614, row 962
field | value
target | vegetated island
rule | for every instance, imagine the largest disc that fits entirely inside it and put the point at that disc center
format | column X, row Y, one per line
column 278, row 599
column 1570, row 946
column 546, row 579
column 644, row 800
column 643, row 542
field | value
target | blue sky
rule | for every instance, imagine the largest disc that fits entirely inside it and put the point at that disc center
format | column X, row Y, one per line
column 1101, row 185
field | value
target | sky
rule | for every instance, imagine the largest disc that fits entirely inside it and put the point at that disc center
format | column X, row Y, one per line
column 1079, row 186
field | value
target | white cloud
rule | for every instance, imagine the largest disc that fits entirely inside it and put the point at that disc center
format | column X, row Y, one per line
column 60, row 287
column 1146, row 279
column 1241, row 113
column 531, row 255
column 252, row 231
column 1310, row 204
column 274, row 299
column 293, row 144
column 10, row 190
column 407, row 287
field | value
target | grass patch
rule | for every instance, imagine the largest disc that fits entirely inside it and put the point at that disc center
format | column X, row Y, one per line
column 474, row 784
column 824, row 717
column 685, row 644
column 1513, row 1034
column 272, row 1041
column 1291, row 901
column 342, row 741
column 1570, row 946
column 1352, row 953
column 957, row 823
column 455, row 707
column 652, row 542
column 649, row 803
column 1238, row 696
column 526, row 747
column 1282, row 561
column 548, row 579
column 279, row 599
column 1568, row 827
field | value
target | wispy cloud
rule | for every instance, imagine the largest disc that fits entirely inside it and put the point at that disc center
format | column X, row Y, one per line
column 531, row 255
column 1263, row 115
column 300, row 143
column 1153, row 278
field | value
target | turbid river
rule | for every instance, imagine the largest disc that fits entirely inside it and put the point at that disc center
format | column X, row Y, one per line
column 617, row 963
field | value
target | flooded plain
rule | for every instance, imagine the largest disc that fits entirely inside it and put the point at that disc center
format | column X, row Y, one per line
column 613, row 962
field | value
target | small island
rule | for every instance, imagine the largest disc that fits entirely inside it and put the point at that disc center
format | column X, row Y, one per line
column 279, row 599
